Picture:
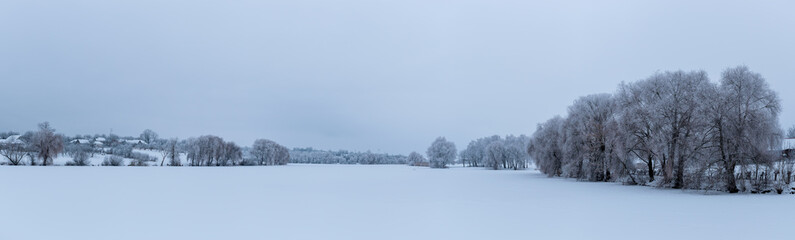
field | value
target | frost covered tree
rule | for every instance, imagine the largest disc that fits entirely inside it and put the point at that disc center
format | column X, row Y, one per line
column 231, row 154
column 169, row 150
column 441, row 153
column 79, row 153
column 46, row 143
column 476, row 152
column 746, row 121
column 516, row 152
column 268, row 152
column 639, row 122
column 546, row 147
column 416, row 159
column 495, row 152
column 149, row 136
column 315, row 156
column 791, row 132
column 674, row 129
column 205, row 150
column 495, row 155
column 587, row 138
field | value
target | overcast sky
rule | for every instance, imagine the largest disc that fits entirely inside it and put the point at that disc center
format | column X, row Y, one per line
column 386, row 76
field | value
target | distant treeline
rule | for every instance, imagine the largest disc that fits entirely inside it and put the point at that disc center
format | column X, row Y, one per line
column 310, row 155
column 42, row 146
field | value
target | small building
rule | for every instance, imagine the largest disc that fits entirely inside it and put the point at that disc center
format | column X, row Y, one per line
column 134, row 141
column 81, row 141
column 788, row 148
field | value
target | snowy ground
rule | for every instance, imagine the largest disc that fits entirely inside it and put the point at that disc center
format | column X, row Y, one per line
column 365, row 202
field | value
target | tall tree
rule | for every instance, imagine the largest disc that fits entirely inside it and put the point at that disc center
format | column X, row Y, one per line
column 747, row 123
column 546, row 146
column 46, row 143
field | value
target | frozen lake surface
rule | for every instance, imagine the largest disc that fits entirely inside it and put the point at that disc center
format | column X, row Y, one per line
column 365, row 202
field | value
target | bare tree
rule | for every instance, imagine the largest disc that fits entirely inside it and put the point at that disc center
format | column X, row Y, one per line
column 268, row 152
column 14, row 151
column 747, row 123
column 46, row 143
column 168, row 150
column 148, row 136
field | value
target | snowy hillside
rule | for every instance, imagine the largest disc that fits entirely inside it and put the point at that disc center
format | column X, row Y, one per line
column 365, row 202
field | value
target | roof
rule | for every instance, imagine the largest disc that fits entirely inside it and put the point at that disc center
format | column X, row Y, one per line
column 135, row 141
column 82, row 141
column 788, row 143
column 11, row 139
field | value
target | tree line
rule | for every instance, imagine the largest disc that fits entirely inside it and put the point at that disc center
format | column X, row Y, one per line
column 673, row 129
column 315, row 156
column 42, row 146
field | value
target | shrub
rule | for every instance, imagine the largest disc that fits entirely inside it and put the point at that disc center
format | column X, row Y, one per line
column 113, row 161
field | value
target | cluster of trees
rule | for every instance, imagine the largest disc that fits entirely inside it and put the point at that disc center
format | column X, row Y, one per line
column 267, row 152
column 673, row 129
column 416, row 159
column 211, row 150
column 40, row 147
column 310, row 155
column 497, row 153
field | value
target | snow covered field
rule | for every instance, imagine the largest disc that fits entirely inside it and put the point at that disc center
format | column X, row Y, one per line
column 365, row 202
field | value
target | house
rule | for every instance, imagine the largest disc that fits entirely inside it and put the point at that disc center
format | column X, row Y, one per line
column 788, row 148
column 80, row 141
column 134, row 141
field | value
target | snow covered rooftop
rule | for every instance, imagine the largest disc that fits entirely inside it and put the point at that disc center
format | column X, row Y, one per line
column 11, row 139
column 81, row 141
column 134, row 141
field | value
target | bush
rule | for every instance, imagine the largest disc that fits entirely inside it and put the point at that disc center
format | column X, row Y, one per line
column 79, row 159
column 113, row 161
column 123, row 150
column 138, row 163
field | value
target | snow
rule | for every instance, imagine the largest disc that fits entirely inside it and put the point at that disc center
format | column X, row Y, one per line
column 11, row 139
column 365, row 202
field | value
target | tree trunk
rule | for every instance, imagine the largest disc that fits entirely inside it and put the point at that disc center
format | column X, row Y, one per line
column 731, row 184
column 679, row 181
column 650, row 164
